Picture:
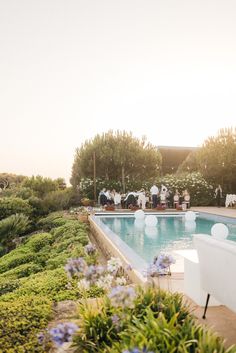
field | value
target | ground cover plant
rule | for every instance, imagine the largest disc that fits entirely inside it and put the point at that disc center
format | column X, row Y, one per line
column 32, row 277
column 151, row 320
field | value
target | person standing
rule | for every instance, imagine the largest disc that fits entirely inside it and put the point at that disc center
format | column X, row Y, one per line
column 154, row 192
column 218, row 195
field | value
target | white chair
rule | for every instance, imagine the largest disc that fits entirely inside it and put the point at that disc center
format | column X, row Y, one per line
column 176, row 200
column 163, row 200
column 217, row 261
column 187, row 200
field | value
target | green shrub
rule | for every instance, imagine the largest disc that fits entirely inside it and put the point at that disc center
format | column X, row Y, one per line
column 53, row 220
column 158, row 322
column 23, row 270
column 50, row 283
column 13, row 205
column 158, row 334
column 11, row 228
column 15, row 258
column 57, row 261
column 38, row 241
column 8, row 285
column 20, row 321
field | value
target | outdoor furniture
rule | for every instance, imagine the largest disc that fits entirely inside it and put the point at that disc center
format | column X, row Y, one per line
column 230, row 200
column 192, row 283
column 217, row 262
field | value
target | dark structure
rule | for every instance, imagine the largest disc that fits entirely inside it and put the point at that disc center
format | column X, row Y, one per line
column 173, row 156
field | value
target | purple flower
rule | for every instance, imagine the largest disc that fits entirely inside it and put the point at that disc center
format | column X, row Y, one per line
column 90, row 249
column 75, row 267
column 63, row 332
column 160, row 265
column 122, row 296
column 93, row 273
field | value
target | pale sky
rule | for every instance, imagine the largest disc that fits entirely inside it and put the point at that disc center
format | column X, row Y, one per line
column 70, row 69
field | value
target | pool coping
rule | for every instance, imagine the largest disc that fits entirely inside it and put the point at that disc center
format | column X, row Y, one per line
column 112, row 245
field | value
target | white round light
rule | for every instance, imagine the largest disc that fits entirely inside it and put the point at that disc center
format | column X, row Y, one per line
column 190, row 226
column 151, row 232
column 219, row 231
column 139, row 214
column 139, row 224
column 190, row 216
column 151, row 221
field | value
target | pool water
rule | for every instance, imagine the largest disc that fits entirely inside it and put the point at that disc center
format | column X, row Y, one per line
column 171, row 233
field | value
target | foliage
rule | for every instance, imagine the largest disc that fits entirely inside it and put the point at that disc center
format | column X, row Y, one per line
column 59, row 200
column 158, row 322
column 13, row 205
column 216, row 159
column 20, row 321
column 118, row 156
column 39, row 261
column 12, row 180
column 201, row 192
column 23, row 270
column 41, row 186
column 38, row 241
column 11, row 228
column 53, row 220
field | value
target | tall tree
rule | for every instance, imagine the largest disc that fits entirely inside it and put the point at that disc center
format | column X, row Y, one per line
column 216, row 159
column 119, row 156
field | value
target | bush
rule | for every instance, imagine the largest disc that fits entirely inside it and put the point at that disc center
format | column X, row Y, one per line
column 13, row 205
column 23, row 270
column 158, row 322
column 20, row 321
column 8, row 285
column 50, row 283
column 15, row 258
column 51, row 221
column 38, row 241
column 11, row 228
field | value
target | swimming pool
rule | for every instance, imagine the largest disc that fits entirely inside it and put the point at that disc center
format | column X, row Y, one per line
column 171, row 233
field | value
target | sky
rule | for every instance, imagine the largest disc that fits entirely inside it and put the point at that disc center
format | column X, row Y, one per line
column 71, row 69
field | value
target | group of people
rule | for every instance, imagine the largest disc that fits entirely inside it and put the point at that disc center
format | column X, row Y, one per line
column 159, row 197
column 165, row 197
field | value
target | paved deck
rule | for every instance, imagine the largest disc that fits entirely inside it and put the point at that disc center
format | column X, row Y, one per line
column 219, row 211
column 220, row 319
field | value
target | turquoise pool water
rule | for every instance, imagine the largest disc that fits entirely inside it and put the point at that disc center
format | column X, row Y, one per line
column 171, row 233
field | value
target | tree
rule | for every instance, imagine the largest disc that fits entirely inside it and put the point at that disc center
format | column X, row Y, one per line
column 216, row 159
column 42, row 186
column 119, row 156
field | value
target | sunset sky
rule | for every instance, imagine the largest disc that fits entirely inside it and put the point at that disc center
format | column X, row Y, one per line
column 70, row 69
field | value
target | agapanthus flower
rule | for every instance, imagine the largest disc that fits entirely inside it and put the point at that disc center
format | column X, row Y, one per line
column 75, row 267
column 93, row 273
column 113, row 265
column 122, row 296
column 63, row 332
column 105, row 282
column 160, row 265
column 90, row 249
